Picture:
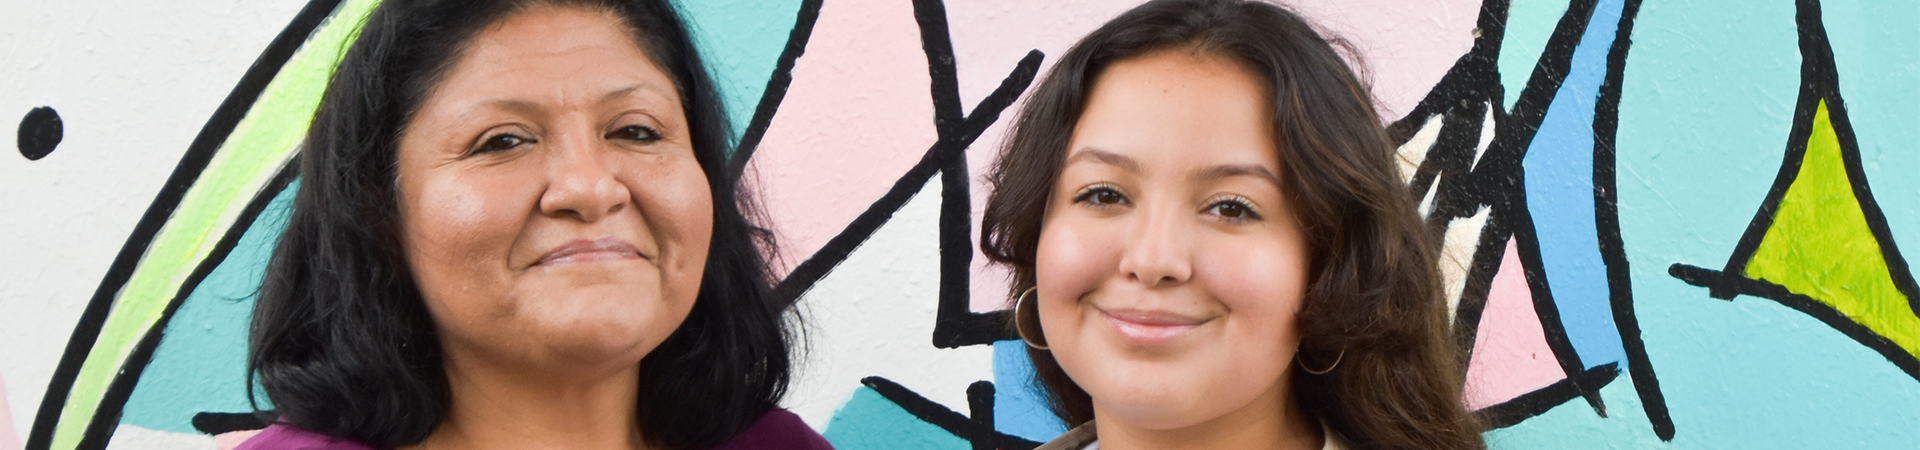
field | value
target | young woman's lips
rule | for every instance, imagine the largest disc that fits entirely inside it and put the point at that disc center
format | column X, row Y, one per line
column 581, row 251
column 1150, row 327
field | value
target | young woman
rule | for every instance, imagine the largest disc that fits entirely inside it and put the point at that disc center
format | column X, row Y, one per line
column 515, row 230
column 1211, row 246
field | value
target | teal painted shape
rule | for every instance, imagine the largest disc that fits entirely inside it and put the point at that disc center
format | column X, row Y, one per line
column 1753, row 373
column 1876, row 48
column 1529, row 24
column 869, row 421
column 1707, row 102
column 1707, row 99
column 741, row 42
column 1019, row 406
column 1573, row 425
column 201, row 364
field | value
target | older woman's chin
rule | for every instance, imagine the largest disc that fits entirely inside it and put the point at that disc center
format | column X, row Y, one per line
column 617, row 332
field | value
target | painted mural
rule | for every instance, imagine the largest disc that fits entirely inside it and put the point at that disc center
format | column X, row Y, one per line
column 1667, row 223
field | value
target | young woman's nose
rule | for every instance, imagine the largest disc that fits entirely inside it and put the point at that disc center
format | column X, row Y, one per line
column 580, row 184
column 1159, row 249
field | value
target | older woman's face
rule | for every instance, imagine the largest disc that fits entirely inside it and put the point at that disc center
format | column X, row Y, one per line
column 552, row 208
column 1170, row 266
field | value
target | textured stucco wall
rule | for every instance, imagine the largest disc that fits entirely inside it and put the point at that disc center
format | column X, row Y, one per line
column 1695, row 215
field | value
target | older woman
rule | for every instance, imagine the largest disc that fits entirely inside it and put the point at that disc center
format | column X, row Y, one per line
column 515, row 229
column 1212, row 248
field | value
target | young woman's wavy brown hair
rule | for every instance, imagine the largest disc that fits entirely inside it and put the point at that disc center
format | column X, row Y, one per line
column 1373, row 300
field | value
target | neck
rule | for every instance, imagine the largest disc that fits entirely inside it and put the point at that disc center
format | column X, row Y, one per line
column 496, row 407
column 1271, row 422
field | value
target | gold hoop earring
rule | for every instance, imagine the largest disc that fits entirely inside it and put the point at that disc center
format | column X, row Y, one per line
column 1336, row 362
column 1020, row 319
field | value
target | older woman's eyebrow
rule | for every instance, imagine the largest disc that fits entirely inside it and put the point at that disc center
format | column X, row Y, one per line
column 1235, row 170
column 629, row 90
column 1090, row 154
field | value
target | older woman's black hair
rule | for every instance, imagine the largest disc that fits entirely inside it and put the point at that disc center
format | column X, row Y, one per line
column 1373, row 299
column 342, row 343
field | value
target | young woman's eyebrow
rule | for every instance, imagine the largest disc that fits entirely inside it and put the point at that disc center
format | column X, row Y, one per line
column 1234, row 170
column 1090, row 154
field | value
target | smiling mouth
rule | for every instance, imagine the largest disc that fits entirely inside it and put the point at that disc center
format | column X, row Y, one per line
column 1150, row 327
column 581, row 251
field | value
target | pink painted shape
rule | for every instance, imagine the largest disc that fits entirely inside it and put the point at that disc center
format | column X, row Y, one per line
column 1407, row 46
column 9, row 438
column 1510, row 354
column 232, row 440
column 857, row 116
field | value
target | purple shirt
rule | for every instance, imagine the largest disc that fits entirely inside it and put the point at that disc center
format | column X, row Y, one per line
column 778, row 430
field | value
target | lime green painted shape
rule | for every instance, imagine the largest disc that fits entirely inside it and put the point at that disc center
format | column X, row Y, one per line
column 1819, row 245
column 259, row 147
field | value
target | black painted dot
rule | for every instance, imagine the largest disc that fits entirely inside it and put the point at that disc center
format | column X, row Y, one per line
column 40, row 132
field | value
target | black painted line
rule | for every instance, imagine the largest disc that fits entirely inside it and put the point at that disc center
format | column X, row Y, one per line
column 1613, row 253
column 980, row 407
column 936, row 41
column 777, row 86
column 933, row 413
column 939, row 155
column 195, row 160
column 215, row 424
column 1532, row 404
column 1740, row 284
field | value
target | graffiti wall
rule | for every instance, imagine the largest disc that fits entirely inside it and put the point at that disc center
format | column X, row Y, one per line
column 1667, row 223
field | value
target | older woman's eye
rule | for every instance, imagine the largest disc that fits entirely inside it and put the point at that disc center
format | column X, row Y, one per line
column 1233, row 209
column 1100, row 196
column 500, row 142
column 635, row 133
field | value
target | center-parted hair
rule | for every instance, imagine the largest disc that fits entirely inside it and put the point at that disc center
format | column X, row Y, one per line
column 1373, row 298
column 342, row 343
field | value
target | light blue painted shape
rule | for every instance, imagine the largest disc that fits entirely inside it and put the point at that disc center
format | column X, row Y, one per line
column 1876, row 47
column 1529, row 24
column 741, row 42
column 201, row 364
column 869, row 421
column 1559, row 186
column 1019, row 407
column 1706, row 106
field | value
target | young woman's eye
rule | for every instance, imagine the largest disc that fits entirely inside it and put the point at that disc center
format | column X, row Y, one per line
column 1233, row 209
column 500, row 142
column 1100, row 196
column 635, row 133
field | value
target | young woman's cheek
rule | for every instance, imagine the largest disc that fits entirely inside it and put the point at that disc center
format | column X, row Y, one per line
column 1075, row 255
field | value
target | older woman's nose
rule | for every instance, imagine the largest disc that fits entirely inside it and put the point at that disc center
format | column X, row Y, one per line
column 1159, row 251
column 580, row 183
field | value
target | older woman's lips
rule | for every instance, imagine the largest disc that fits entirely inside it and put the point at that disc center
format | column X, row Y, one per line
column 1150, row 327
column 584, row 251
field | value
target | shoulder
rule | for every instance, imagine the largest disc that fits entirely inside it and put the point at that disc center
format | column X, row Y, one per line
column 283, row 437
column 778, row 430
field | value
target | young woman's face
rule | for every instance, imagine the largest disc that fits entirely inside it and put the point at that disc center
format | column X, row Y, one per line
column 552, row 208
column 1170, row 265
